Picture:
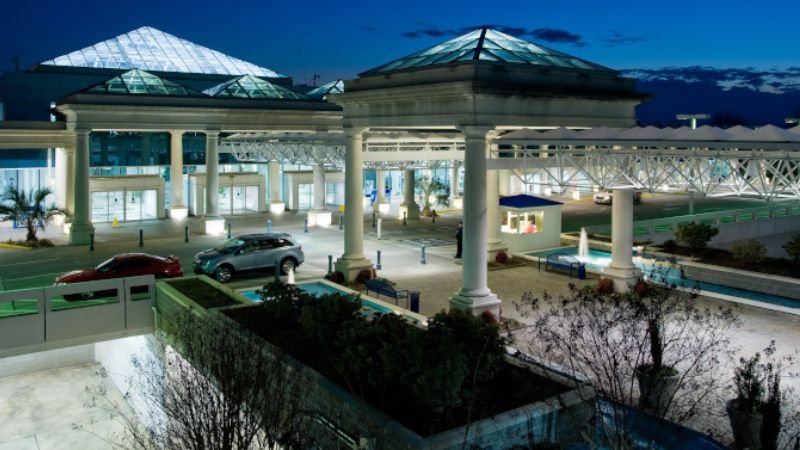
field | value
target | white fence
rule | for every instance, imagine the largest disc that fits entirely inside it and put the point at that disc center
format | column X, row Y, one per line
column 58, row 316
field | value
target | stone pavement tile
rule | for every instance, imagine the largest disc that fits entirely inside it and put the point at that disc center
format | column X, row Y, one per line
column 26, row 443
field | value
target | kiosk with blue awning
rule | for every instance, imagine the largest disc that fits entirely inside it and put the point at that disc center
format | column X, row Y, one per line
column 530, row 223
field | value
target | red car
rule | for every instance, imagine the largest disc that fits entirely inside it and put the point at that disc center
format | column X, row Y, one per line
column 126, row 265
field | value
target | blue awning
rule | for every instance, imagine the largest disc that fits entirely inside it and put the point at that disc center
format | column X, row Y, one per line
column 526, row 201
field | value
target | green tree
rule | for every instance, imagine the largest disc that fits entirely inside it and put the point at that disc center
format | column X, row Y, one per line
column 427, row 187
column 695, row 235
column 792, row 247
column 28, row 209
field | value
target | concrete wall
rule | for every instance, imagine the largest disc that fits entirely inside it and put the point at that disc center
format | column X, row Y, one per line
column 742, row 279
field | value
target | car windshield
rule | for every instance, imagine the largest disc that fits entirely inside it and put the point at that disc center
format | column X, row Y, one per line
column 107, row 265
column 229, row 245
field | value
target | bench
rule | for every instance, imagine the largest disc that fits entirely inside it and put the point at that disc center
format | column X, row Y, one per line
column 380, row 286
column 563, row 261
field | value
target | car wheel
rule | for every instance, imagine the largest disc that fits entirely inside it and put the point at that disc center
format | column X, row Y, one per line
column 223, row 274
column 288, row 264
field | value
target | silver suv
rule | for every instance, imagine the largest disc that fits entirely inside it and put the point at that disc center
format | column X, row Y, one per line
column 249, row 252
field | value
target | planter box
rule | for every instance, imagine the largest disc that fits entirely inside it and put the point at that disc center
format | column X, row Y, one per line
column 559, row 418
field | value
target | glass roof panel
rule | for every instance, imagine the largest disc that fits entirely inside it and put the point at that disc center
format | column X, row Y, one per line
column 249, row 86
column 320, row 93
column 139, row 82
column 147, row 48
column 494, row 46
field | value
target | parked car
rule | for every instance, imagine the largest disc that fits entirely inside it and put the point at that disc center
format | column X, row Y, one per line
column 605, row 197
column 119, row 266
column 250, row 252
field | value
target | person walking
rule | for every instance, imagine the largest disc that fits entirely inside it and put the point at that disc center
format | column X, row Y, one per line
column 459, row 235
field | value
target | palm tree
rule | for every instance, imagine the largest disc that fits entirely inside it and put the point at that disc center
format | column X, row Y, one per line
column 28, row 209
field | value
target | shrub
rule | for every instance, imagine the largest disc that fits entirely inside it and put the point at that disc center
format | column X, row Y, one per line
column 695, row 235
column 501, row 257
column 364, row 275
column 669, row 245
column 792, row 247
column 605, row 286
column 335, row 277
column 749, row 251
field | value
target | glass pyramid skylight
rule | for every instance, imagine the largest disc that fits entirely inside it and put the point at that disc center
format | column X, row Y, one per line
column 487, row 45
column 248, row 86
column 334, row 87
column 150, row 49
column 140, row 82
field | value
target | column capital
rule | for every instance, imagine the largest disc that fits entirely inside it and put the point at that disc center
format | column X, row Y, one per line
column 177, row 132
column 82, row 131
column 351, row 132
column 212, row 133
column 473, row 132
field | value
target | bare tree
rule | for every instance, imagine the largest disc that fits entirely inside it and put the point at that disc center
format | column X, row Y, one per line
column 213, row 386
column 606, row 338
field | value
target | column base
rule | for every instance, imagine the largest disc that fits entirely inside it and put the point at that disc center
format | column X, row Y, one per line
column 214, row 225
column 380, row 208
column 277, row 207
column 178, row 213
column 457, row 202
column 319, row 218
column 477, row 305
column 624, row 278
column 412, row 211
column 351, row 267
column 80, row 233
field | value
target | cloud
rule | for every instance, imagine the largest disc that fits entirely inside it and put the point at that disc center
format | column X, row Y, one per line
column 368, row 28
column 615, row 38
column 551, row 35
column 762, row 80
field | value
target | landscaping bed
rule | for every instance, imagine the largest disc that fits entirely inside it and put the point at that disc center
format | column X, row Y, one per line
column 773, row 266
column 432, row 379
column 202, row 293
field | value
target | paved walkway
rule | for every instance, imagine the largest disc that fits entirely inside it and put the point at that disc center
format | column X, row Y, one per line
column 437, row 280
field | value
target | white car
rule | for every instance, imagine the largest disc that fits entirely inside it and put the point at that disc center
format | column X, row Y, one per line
column 604, row 197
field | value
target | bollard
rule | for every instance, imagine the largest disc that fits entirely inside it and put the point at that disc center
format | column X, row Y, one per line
column 269, row 225
column 277, row 271
column 186, row 234
column 378, row 265
column 404, row 217
column 229, row 230
column 341, row 221
column 91, row 242
column 380, row 227
column 330, row 263
column 305, row 225
column 373, row 221
column 422, row 258
column 141, row 237
column 433, row 216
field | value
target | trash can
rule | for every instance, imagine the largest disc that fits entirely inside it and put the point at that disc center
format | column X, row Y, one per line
column 582, row 272
column 413, row 301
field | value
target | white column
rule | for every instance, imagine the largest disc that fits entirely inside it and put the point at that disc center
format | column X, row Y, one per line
column 455, row 198
column 475, row 295
column 318, row 215
column 409, row 206
column 81, row 228
column 494, row 243
column 621, row 268
column 353, row 260
column 214, row 224
column 276, row 204
column 380, row 205
column 60, row 188
column 178, row 208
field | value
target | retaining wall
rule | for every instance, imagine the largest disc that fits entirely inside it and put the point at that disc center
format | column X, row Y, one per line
column 742, row 279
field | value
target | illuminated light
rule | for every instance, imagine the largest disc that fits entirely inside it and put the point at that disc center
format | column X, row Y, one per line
column 290, row 280
column 178, row 213
column 383, row 208
column 320, row 218
column 458, row 203
column 66, row 227
column 277, row 208
column 215, row 226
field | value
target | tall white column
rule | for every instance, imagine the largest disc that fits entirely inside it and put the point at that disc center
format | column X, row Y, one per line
column 60, row 188
column 621, row 268
column 494, row 243
column 81, row 228
column 318, row 215
column 409, row 206
column 214, row 224
column 177, row 208
column 353, row 260
column 475, row 295
column 276, row 204
column 380, row 205
column 455, row 198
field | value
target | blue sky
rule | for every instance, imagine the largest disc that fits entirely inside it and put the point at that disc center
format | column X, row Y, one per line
column 340, row 39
